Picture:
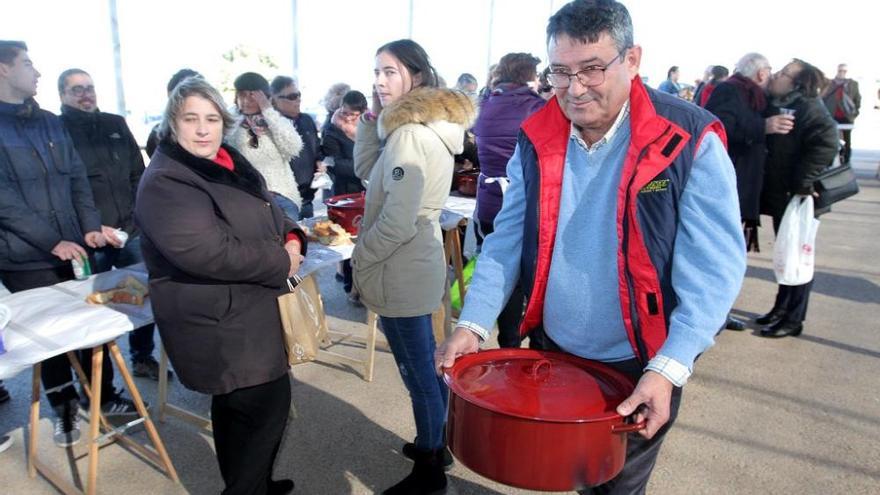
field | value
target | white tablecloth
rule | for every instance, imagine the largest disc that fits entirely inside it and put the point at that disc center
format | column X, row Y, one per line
column 49, row 321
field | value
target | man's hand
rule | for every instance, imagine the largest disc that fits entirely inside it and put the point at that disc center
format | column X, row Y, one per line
column 296, row 259
column 320, row 167
column 110, row 236
column 654, row 394
column 66, row 250
column 95, row 240
column 779, row 124
column 462, row 342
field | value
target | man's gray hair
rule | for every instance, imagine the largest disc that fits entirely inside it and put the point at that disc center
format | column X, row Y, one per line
column 750, row 64
column 192, row 86
column 586, row 20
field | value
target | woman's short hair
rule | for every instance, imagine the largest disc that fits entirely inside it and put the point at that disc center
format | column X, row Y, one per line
column 333, row 99
column 355, row 100
column 809, row 80
column 412, row 56
column 281, row 82
column 192, row 86
column 517, row 68
column 719, row 72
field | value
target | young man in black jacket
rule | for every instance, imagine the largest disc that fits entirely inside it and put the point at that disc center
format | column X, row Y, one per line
column 114, row 165
column 47, row 216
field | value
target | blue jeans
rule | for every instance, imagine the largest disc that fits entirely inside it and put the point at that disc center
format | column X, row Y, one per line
column 287, row 206
column 412, row 342
column 140, row 340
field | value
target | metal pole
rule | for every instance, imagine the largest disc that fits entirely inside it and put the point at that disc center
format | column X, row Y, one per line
column 410, row 35
column 295, row 28
column 117, row 60
column 489, row 43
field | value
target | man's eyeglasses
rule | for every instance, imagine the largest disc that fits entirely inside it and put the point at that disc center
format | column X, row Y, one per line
column 589, row 77
column 81, row 90
column 291, row 97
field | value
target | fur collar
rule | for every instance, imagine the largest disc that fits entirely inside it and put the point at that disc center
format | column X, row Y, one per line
column 245, row 176
column 426, row 105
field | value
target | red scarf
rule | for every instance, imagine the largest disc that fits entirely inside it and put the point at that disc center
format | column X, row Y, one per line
column 224, row 160
column 753, row 93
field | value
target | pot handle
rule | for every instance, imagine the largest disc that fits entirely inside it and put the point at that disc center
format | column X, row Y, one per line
column 629, row 427
column 537, row 366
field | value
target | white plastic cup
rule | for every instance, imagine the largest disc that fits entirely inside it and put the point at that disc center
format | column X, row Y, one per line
column 122, row 236
column 786, row 111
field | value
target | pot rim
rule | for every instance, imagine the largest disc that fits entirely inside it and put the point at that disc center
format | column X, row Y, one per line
column 466, row 361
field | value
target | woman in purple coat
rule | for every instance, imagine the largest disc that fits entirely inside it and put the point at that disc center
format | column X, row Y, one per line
column 512, row 100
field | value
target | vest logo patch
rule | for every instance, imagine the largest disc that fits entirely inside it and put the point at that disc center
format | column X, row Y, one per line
column 397, row 173
column 655, row 186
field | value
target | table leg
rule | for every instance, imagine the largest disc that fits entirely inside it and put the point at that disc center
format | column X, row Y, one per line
column 458, row 263
column 94, row 418
column 139, row 404
column 372, row 323
column 163, row 382
column 35, row 421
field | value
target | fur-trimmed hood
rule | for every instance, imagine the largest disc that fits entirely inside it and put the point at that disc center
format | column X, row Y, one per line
column 433, row 107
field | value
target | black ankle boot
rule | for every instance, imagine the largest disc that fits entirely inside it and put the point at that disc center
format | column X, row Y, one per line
column 427, row 476
column 409, row 451
column 774, row 316
column 280, row 487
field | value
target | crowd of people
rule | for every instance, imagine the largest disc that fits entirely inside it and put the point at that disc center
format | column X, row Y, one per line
column 613, row 220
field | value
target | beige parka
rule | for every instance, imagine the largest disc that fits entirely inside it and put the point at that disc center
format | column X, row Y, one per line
column 407, row 157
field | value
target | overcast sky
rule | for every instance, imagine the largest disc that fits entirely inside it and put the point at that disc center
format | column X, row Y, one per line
column 338, row 38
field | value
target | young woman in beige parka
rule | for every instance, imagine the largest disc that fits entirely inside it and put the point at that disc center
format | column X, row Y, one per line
column 405, row 149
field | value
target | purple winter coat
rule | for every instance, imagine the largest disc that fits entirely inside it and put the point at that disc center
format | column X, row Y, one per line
column 496, row 130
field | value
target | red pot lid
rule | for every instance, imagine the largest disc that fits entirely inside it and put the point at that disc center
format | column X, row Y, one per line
column 346, row 201
column 539, row 385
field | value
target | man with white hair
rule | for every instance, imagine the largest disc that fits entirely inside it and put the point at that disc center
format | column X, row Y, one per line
column 739, row 103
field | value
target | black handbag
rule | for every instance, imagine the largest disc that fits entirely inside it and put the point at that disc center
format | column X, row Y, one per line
column 835, row 184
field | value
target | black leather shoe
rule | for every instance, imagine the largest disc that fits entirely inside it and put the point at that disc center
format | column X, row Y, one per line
column 280, row 487
column 735, row 324
column 782, row 329
column 771, row 318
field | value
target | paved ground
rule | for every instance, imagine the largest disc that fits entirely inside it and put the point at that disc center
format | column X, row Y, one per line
column 795, row 415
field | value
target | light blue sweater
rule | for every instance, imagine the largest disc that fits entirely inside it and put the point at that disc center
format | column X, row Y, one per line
column 582, row 306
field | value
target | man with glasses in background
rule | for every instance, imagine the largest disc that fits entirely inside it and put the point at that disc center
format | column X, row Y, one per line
column 626, row 240
column 287, row 99
column 114, row 164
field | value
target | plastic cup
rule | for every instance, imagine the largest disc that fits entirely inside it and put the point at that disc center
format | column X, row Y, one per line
column 122, row 235
column 786, row 111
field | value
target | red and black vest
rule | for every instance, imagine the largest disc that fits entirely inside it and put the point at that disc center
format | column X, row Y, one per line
column 665, row 134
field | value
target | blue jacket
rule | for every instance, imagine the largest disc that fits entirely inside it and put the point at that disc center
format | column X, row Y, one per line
column 44, row 191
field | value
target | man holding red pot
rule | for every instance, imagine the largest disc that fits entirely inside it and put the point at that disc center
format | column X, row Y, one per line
column 626, row 240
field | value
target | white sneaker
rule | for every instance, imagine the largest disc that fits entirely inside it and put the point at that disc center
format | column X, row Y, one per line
column 6, row 441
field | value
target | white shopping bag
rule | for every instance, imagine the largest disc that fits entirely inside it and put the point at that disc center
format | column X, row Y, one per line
column 795, row 251
column 321, row 181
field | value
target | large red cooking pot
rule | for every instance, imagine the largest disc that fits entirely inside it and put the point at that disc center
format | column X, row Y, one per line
column 347, row 210
column 536, row 419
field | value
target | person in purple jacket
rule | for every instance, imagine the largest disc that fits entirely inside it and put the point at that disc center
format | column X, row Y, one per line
column 510, row 102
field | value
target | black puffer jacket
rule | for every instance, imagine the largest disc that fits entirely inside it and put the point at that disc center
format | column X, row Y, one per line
column 44, row 193
column 113, row 162
column 795, row 159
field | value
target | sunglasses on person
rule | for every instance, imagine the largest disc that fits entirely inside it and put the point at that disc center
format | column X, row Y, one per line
column 291, row 97
column 81, row 90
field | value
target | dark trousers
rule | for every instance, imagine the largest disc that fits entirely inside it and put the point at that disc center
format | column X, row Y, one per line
column 56, row 371
column 140, row 340
column 248, row 427
column 512, row 314
column 641, row 453
column 792, row 299
column 308, row 196
column 846, row 151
